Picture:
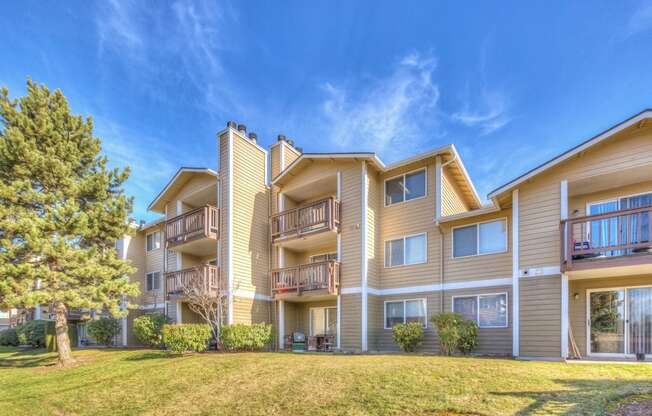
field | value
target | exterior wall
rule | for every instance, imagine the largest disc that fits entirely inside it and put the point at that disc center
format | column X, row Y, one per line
column 350, row 225
column 486, row 266
column 350, row 322
column 154, row 263
column 250, row 311
column 577, row 205
column 577, row 307
column 196, row 183
column 451, row 199
column 540, row 317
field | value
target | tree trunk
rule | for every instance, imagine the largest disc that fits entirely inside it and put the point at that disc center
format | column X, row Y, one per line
column 61, row 331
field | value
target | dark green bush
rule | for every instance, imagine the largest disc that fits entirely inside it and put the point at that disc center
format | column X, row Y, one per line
column 9, row 337
column 180, row 338
column 149, row 329
column 104, row 330
column 455, row 333
column 32, row 333
column 241, row 337
column 468, row 336
column 408, row 336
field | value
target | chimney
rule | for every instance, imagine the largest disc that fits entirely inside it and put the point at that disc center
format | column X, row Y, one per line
column 291, row 142
column 231, row 124
column 242, row 128
column 142, row 223
column 281, row 138
column 253, row 137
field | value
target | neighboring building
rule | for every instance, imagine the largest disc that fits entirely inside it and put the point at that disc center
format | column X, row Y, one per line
column 8, row 318
column 341, row 246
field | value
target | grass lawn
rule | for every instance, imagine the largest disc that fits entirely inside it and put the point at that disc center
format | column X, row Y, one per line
column 111, row 382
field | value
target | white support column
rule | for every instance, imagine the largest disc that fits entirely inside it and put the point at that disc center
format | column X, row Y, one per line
column 564, row 316
column 438, row 175
column 563, row 211
column 339, row 259
column 281, row 325
column 124, row 323
column 229, row 221
column 516, row 272
column 363, row 257
column 179, row 312
column 37, row 307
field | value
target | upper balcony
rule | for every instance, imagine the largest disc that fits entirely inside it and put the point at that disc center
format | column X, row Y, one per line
column 195, row 231
column 292, row 227
column 313, row 280
column 615, row 239
column 204, row 278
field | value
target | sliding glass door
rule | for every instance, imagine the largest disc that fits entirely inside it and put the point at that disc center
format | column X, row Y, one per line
column 639, row 318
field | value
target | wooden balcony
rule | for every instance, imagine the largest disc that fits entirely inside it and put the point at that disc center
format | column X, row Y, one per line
column 619, row 238
column 204, row 278
column 315, row 217
column 198, row 225
column 322, row 278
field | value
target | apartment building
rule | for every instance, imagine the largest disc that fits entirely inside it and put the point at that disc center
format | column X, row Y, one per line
column 341, row 246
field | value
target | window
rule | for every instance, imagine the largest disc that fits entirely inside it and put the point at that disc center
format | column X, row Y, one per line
column 323, row 257
column 488, row 311
column 482, row 238
column 153, row 241
column 323, row 321
column 404, row 311
column 153, row 281
column 406, row 250
column 405, row 187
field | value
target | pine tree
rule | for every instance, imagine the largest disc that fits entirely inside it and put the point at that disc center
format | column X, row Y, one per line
column 61, row 212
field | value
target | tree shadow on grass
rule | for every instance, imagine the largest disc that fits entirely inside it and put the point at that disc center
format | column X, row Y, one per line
column 149, row 355
column 582, row 396
column 28, row 358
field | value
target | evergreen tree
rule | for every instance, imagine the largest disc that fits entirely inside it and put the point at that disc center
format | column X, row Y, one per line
column 61, row 212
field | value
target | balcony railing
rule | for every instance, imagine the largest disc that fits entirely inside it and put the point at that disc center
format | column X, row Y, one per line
column 314, row 217
column 204, row 279
column 306, row 277
column 202, row 222
column 619, row 235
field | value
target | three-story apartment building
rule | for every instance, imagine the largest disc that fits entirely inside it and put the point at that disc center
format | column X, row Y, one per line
column 341, row 246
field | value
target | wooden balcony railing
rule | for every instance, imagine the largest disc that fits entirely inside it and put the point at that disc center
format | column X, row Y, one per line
column 614, row 235
column 312, row 276
column 317, row 216
column 204, row 278
column 202, row 222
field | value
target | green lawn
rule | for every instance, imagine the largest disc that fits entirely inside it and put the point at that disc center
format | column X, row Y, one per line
column 111, row 382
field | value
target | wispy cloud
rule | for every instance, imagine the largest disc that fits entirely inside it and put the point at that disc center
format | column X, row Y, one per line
column 641, row 20
column 117, row 28
column 391, row 116
column 491, row 113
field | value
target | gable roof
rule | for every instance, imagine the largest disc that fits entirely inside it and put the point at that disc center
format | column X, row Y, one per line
column 157, row 205
column 643, row 115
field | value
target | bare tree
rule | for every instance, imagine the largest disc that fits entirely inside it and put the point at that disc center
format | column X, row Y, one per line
column 209, row 303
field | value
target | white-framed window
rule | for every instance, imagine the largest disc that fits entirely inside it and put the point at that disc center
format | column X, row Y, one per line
column 153, row 241
column 486, row 237
column 411, row 249
column 488, row 311
column 323, row 257
column 153, row 281
column 406, row 187
column 323, row 321
column 404, row 311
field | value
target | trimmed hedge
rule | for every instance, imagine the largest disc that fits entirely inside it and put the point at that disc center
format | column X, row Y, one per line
column 241, row 337
column 179, row 338
column 149, row 329
column 9, row 337
column 32, row 333
column 408, row 336
column 104, row 330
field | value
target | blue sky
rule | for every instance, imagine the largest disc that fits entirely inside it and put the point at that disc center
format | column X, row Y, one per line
column 511, row 84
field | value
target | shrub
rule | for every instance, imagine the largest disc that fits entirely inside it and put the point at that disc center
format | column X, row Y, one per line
column 240, row 337
column 468, row 336
column 104, row 330
column 32, row 333
column 149, row 329
column 9, row 337
column 408, row 336
column 180, row 338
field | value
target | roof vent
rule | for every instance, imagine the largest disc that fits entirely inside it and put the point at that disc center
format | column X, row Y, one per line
column 231, row 124
column 281, row 137
column 291, row 142
column 299, row 149
column 253, row 137
column 242, row 128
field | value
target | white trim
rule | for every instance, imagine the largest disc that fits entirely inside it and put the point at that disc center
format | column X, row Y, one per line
column 564, row 316
column 405, row 301
column 483, row 210
column 404, row 238
column 469, row 284
column 572, row 152
column 339, row 321
column 246, row 139
column 563, row 212
column 540, row 271
column 425, row 190
column 175, row 177
column 339, row 258
column 179, row 312
column 477, row 309
column 438, row 195
column 160, row 242
column 281, row 325
column 229, row 221
column 363, row 256
column 152, row 306
column 477, row 238
column 282, row 157
column 250, row 294
column 516, row 288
